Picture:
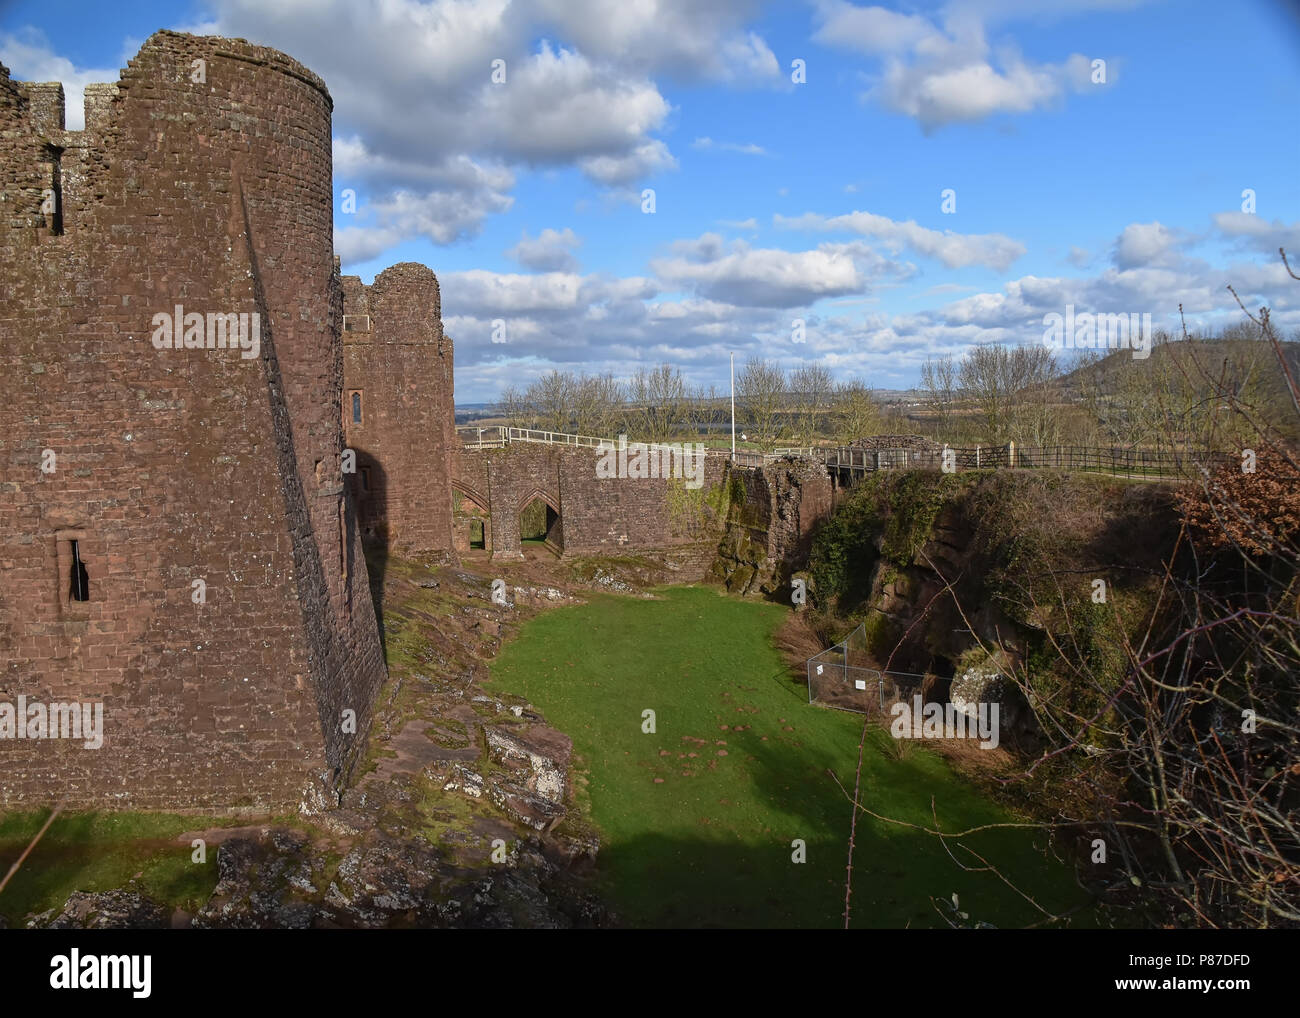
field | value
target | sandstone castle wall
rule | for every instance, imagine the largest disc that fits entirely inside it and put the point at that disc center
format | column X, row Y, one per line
column 177, row 465
column 398, row 407
column 597, row 515
column 202, row 185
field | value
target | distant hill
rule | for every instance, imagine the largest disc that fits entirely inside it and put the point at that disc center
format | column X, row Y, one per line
column 1238, row 361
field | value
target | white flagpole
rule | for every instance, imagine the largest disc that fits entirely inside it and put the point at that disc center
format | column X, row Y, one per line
column 733, row 406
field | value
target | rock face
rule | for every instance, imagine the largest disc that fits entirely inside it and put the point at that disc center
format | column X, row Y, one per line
column 281, row 881
column 537, row 760
column 774, row 512
column 976, row 686
column 105, row 910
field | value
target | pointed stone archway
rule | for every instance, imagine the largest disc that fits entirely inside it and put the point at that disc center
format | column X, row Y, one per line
column 471, row 520
column 540, row 521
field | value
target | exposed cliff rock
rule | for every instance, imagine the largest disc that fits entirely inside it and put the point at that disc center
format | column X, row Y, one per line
column 774, row 512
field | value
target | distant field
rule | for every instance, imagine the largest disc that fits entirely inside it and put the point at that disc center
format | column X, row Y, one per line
column 698, row 818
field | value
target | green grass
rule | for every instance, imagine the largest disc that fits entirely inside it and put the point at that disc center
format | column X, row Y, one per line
column 711, row 844
column 99, row 852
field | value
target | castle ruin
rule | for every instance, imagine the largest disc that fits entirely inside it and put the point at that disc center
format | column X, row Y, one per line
column 202, row 422
column 176, row 539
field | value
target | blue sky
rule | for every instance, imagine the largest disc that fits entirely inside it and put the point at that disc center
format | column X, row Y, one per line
column 777, row 201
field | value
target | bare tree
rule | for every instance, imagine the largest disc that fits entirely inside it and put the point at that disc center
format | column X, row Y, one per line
column 514, row 407
column 609, row 397
column 552, row 398
column 983, row 379
column 857, row 414
column 810, row 391
column 711, row 409
column 660, row 402
column 939, row 379
column 761, row 392
column 588, row 397
column 1013, row 388
column 1036, row 399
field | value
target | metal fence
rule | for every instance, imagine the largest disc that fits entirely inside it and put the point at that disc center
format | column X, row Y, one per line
column 497, row 436
column 1137, row 463
column 842, row 677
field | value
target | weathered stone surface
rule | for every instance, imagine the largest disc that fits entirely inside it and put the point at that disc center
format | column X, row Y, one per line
column 399, row 363
column 106, row 910
column 769, row 530
column 279, row 881
column 178, row 464
column 542, row 754
column 597, row 516
column 531, row 785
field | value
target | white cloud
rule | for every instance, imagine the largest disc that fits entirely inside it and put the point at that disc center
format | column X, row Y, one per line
column 765, row 277
column 955, row 250
column 749, row 149
column 550, row 251
column 1260, row 234
column 1143, row 244
column 601, row 324
column 868, row 29
column 28, row 56
column 950, row 74
column 463, row 196
column 650, row 158
column 685, row 38
column 560, row 107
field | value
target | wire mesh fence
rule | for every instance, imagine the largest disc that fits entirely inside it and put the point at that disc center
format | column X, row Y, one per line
column 842, row 677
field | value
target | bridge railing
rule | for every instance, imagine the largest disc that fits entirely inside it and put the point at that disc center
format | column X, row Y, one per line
column 1142, row 463
column 498, row 436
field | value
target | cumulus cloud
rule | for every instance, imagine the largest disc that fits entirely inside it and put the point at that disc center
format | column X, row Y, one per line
column 28, row 56
column 955, row 250
column 652, row 157
column 453, row 203
column 561, row 107
column 685, row 38
column 950, row 74
column 602, row 324
column 550, row 251
column 869, row 29
column 1259, row 234
column 416, row 110
column 1144, row 244
column 760, row 277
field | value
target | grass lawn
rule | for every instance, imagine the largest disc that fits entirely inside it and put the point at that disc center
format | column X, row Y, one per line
column 101, row 851
column 697, row 819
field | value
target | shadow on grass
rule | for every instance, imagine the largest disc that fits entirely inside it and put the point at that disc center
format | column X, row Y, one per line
column 736, row 873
